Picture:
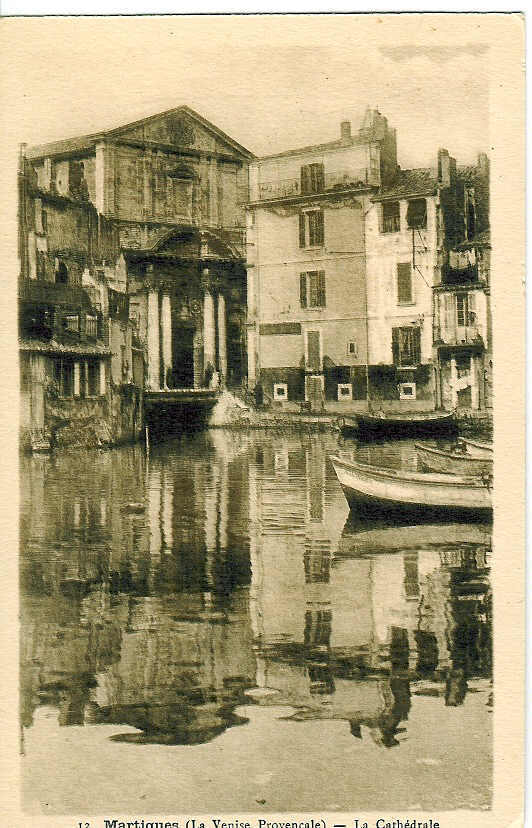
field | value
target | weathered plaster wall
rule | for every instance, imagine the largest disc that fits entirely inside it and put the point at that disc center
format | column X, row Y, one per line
column 384, row 252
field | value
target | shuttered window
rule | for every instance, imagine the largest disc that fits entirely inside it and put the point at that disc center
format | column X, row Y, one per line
column 311, row 228
column 315, row 227
column 406, row 346
column 303, row 290
column 321, row 289
column 461, row 310
column 312, row 289
column 391, row 221
column 312, row 179
column 302, row 230
column 404, row 284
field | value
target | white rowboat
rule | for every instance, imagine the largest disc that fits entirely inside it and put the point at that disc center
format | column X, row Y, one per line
column 475, row 449
column 453, row 462
column 375, row 489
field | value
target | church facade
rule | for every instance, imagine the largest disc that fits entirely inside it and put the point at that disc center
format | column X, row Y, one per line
column 169, row 194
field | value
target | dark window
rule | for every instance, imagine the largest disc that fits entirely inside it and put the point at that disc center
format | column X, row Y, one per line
column 404, row 284
column 312, row 179
column 312, row 289
column 391, row 221
column 44, row 220
column 416, row 214
column 118, row 305
column 64, row 377
column 406, row 346
column 470, row 220
column 92, row 378
column 61, row 274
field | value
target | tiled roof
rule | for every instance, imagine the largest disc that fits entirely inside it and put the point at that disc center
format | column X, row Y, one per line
column 420, row 181
column 467, row 171
column 330, row 145
column 69, row 146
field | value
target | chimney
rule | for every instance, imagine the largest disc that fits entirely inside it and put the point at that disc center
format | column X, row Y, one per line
column 444, row 168
column 483, row 164
column 345, row 132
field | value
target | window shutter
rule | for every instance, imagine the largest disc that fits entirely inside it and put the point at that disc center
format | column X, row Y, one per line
column 305, row 179
column 320, row 234
column 472, row 316
column 449, row 317
column 321, row 288
column 416, row 345
column 404, row 283
column 302, row 229
column 319, row 178
column 303, row 289
column 395, row 346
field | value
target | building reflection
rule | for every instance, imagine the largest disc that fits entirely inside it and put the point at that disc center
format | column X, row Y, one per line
column 161, row 594
column 134, row 592
column 351, row 627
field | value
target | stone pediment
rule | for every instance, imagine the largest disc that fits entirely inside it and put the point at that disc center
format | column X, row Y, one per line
column 190, row 243
column 183, row 129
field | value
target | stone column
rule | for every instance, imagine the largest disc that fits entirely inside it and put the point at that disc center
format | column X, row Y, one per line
column 153, row 341
column 166, row 330
column 77, row 379
column 103, row 379
column 222, row 339
column 198, row 358
column 209, row 330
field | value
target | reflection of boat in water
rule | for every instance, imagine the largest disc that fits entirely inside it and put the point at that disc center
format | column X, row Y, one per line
column 453, row 462
column 388, row 424
column 483, row 451
column 375, row 489
column 370, row 537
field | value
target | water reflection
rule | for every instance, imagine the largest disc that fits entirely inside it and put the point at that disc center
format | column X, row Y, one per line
column 163, row 594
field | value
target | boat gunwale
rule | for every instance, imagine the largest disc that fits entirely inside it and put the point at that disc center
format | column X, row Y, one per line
column 432, row 478
column 468, row 457
column 406, row 417
column 484, row 446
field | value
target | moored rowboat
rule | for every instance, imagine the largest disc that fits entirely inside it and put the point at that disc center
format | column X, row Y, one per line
column 374, row 489
column 476, row 449
column 452, row 462
column 386, row 424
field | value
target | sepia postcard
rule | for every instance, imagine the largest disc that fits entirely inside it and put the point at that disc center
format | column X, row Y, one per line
column 263, row 476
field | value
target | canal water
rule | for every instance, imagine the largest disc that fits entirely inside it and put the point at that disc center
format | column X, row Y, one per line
column 210, row 630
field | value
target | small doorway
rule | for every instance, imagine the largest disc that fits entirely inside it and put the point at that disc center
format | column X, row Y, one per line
column 182, row 374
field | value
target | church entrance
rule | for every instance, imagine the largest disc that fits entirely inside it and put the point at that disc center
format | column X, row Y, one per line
column 182, row 375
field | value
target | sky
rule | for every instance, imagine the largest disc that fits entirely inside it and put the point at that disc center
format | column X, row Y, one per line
column 272, row 83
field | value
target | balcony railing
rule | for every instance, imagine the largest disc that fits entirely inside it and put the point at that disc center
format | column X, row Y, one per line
column 454, row 334
column 291, row 187
column 50, row 293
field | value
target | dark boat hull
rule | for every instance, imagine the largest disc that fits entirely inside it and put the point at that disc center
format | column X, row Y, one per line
column 370, row 428
column 374, row 508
